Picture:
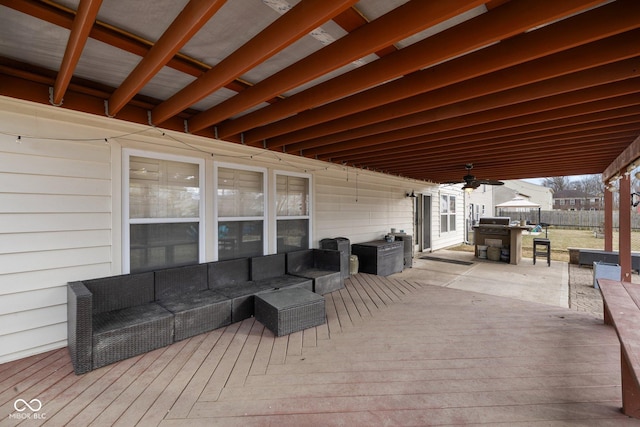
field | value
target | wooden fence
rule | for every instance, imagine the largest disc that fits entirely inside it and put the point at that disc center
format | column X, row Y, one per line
column 569, row 219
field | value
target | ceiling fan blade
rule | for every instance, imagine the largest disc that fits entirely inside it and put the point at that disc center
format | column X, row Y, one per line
column 489, row 182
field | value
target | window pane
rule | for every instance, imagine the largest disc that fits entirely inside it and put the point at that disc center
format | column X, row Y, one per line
column 452, row 223
column 239, row 239
column 293, row 235
column 292, row 196
column 163, row 245
column 444, row 222
column 163, row 189
column 240, row 193
column 444, row 204
column 452, row 204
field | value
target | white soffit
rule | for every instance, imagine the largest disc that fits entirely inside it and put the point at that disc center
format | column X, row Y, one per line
column 166, row 83
column 105, row 64
column 295, row 52
column 373, row 9
column 215, row 98
column 31, row 40
column 452, row 22
column 236, row 23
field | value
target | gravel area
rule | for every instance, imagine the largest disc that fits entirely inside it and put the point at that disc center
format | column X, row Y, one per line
column 582, row 295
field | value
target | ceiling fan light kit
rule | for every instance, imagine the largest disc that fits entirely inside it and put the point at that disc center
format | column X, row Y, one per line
column 471, row 182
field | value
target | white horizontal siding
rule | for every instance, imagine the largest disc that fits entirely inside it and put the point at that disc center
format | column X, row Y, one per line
column 53, row 203
column 33, row 341
column 46, row 222
column 48, row 260
column 60, row 185
column 55, row 225
column 361, row 209
column 84, row 168
column 42, row 279
column 15, row 243
column 31, row 300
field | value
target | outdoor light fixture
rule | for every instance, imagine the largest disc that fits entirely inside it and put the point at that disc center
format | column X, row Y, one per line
column 468, row 188
column 412, row 194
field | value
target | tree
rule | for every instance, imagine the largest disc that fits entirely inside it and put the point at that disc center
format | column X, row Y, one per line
column 557, row 183
column 591, row 185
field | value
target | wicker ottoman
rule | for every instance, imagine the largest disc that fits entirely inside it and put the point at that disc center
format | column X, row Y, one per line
column 285, row 311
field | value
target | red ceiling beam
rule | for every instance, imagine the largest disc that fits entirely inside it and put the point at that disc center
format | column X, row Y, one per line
column 512, row 128
column 351, row 19
column 591, row 55
column 297, row 22
column 57, row 15
column 514, row 167
column 545, row 119
column 77, row 98
column 587, row 86
column 495, row 146
column 396, row 25
column 82, row 24
column 503, row 22
column 606, row 148
column 54, row 14
column 630, row 154
column 194, row 15
column 615, row 142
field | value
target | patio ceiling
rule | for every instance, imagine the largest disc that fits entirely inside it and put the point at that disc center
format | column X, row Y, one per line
column 519, row 88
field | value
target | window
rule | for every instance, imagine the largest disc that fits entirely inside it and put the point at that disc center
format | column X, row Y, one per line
column 240, row 212
column 447, row 213
column 162, row 211
column 292, row 212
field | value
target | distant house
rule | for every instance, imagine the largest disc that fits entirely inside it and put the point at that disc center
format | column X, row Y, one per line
column 575, row 200
column 535, row 193
column 483, row 200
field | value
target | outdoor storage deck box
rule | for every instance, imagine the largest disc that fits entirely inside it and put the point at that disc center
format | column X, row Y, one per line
column 379, row 257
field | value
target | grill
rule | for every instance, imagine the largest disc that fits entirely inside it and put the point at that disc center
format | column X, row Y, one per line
column 497, row 226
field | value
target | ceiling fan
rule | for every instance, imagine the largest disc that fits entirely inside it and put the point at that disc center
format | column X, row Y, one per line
column 471, row 182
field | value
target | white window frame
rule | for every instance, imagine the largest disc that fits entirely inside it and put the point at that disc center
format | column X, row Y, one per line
column 448, row 213
column 127, row 221
column 265, row 214
column 309, row 216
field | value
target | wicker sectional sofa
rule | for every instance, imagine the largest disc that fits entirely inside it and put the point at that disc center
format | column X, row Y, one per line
column 320, row 265
column 114, row 318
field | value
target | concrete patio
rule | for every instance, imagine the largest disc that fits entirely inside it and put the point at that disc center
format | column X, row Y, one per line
column 439, row 344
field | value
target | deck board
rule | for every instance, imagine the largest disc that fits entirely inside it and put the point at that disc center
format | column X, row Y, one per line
column 393, row 351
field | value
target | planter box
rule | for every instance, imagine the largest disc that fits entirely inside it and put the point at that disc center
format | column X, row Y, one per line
column 603, row 270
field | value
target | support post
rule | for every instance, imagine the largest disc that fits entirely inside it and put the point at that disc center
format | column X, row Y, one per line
column 624, row 233
column 608, row 220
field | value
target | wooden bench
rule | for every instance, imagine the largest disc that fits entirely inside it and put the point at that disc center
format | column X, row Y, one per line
column 622, row 311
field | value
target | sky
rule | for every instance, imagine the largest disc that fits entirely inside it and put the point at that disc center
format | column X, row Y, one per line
column 539, row 181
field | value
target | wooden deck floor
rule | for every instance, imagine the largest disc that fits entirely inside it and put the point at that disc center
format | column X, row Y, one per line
column 393, row 352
